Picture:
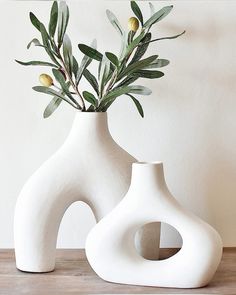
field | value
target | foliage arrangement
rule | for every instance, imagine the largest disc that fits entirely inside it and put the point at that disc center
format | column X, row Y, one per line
column 116, row 73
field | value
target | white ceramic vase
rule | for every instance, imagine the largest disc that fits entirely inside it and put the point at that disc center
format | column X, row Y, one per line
column 110, row 246
column 89, row 167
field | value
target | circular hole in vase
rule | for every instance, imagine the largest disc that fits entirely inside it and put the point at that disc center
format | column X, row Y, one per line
column 159, row 241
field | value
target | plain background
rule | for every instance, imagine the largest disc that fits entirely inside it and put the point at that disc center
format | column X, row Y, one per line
column 190, row 119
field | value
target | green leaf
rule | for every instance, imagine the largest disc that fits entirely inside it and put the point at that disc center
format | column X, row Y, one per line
column 130, row 37
column 53, row 19
column 127, row 81
column 35, row 41
column 113, row 58
column 91, row 52
column 110, row 98
column 47, row 90
column 75, row 67
column 35, row 22
column 90, row 98
column 46, row 43
column 36, row 63
column 92, row 80
column 61, row 80
column 158, row 16
column 91, row 108
column 63, row 19
column 104, row 73
column 142, row 48
column 137, row 11
column 134, row 44
column 52, row 106
column 67, row 53
column 159, row 63
column 137, row 104
column 85, row 63
column 166, row 38
column 114, row 21
column 148, row 74
column 124, row 43
column 138, row 65
column 136, row 89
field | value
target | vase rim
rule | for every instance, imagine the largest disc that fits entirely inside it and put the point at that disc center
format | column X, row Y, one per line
column 154, row 163
column 92, row 113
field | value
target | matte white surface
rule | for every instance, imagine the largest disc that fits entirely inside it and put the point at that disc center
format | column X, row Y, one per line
column 92, row 169
column 89, row 167
column 189, row 120
column 110, row 245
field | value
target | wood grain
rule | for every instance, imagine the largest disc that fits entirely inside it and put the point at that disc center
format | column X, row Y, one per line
column 73, row 275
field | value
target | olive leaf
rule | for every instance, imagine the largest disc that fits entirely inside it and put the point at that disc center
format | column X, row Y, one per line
column 92, row 80
column 148, row 74
column 85, row 63
column 35, row 41
column 36, row 63
column 136, row 89
column 137, row 11
column 53, row 19
column 138, row 65
column 91, row 108
column 35, row 22
column 134, row 44
column 90, row 98
column 142, row 48
column 159, row 63
column 117, row 73
column 46, row 43
column 63, row 19
column 111, row 97
column 52, row 106
column 67, row 53
column 61, row 80
column 75, row 67
column 158, row 16
column 137, row 104
column 47, row 90
column 103, row 73
column 124, row 44
column 127, row 81
column 114, row 21
column 130, row 37
column 166, row 38
column 91, row 52
column 113, row 58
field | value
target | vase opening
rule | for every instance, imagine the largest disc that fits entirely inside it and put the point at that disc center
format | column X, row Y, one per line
column 147, row 175
column 143, row 163
column 164, row 246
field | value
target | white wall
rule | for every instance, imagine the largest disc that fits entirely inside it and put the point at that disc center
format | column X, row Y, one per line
column 190, row 121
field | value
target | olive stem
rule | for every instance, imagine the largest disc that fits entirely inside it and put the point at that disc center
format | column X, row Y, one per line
column 83, row 108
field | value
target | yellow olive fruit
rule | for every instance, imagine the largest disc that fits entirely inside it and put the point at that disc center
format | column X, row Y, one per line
column 45, row 80
column 133, row 24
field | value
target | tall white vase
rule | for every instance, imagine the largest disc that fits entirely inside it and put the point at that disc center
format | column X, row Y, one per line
column 89, row 167
column 110, row 246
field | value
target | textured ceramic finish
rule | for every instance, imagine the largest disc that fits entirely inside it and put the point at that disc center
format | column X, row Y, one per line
column 110, row 246
column 89, row 167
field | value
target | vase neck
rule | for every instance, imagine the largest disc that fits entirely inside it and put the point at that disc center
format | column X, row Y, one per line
column 146, row 176
column 89, row 126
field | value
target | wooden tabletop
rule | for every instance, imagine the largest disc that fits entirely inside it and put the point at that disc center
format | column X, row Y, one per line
column 73, row 275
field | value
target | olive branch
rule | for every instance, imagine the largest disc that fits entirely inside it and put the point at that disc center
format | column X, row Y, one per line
column 116, row 74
